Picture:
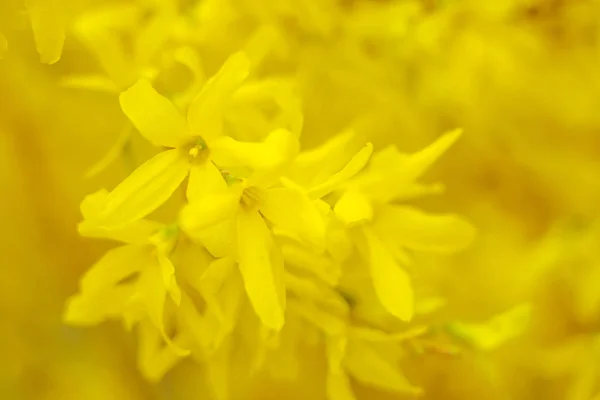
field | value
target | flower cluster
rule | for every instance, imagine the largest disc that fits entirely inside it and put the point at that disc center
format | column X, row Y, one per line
column 268, row 242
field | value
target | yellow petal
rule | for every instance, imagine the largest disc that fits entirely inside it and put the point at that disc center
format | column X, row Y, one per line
column 216, row 274
column 262, row 273
column 85, row 310
column 168, row 273
column 137, row 232
column 154, row 359
column 48, row 21
column 205, row 178
column 115, row 266
column 329, row 323
column 218, row 371
column 278, row 149
column 153, row 294
column 148, row 187
column 116, row 151
column 323, row 161
column 109, row 51
column 371, row 366
column 353, row 208
column 209, row 210
column 205, row 114
column 356, row 164
column 417, row 230
column 188, row 57
column 157, row 119
column 338, row 383
column 151, row 38
column 305, row 223
column 392, row 284
column 417, row 163
column 496, row 331
column 218, row 239
column 308, row 261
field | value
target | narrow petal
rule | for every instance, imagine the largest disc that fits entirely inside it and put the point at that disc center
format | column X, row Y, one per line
column 305, row 223
column 209, row 210
column 157, row 119
column 370, row 366
column 322, row 161
column 353, row 208
column 218, row 372
column 278, row 149
column 338, row 383
column 136, row 232
column 218, row 239
column 216, row 274
column 417, row 230
column 262, row 276
column 116, row 151
column 115, row 266
column 48, row 21
column 152, row 37
column 418, row 163
column 106, row 47
column 168, row 273
column 205, row 114
column 356, row 164
column 87, row 310
column 153, row 294
column 205, row 178
column 154, row 359
column 147, row 188
column 499, row 329
column 392, row 284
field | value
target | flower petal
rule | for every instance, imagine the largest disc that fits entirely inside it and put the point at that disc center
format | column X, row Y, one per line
column 205, row 114
column 148, row 187
column 157, row 119
column 155, row 359
column 278, row 149
column 392, row 284
column 262, row 273
column 115, row 266
column 204, row 178
column 338, row 383
column 209, row 210
column 417, row 230
column 153, row 294
column 353, row 208
column 417, row 163
column 371, row 366
column 137, row 232
column 49, row 25
column 354, row 166
column 305, row 223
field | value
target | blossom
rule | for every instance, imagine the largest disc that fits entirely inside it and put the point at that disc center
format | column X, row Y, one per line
column 385, row 230
column 194, row 144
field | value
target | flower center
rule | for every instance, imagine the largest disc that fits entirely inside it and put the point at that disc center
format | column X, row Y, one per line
column 250, row 199
column 197, row 148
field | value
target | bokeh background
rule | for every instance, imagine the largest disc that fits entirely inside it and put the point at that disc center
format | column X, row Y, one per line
column 521, row 77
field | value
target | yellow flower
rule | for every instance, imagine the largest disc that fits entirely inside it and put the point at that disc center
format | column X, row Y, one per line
column 131, row 281
column 194, row 144
column 384, row 230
